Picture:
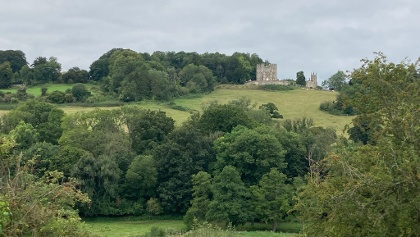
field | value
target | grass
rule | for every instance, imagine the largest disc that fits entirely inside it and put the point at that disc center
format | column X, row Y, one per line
column 36, row 90
column 291, row 104
column 136, row 226
column 126, row 226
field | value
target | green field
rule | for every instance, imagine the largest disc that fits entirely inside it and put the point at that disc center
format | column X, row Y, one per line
column 36, row 90
column 132, row 226
column 291, row 104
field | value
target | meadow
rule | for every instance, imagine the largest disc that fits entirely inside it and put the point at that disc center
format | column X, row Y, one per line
column 133, row 226
column 292, row 104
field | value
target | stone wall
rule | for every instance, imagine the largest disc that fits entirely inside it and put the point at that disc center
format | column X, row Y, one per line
column 266, row 72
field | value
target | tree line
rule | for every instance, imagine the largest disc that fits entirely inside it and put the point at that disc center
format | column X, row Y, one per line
column 132, row 76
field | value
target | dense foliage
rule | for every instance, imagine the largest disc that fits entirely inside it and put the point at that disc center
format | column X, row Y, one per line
column 371, row 188
column 230, row 164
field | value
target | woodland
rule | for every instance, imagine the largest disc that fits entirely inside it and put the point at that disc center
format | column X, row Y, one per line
column 228, row 165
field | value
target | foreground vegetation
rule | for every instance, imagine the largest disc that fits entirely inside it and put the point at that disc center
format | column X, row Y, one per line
column 230, row 163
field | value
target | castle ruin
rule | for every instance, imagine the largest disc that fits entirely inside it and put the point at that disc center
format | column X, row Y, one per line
column 266, row 72
column 312, row 83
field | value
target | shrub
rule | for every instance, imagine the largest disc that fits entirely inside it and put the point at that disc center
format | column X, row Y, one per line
column 275, row 87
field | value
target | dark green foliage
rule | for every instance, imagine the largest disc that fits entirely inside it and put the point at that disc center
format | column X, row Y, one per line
column 271, row 109
column 197, row 79
column 80, row 92
column 15, row 58
column 253, row 152
column 274, row 87
column 44, row 91
column 201, row 198
column 43, row 71
column 147, row 128
column 230, row 198
column 75, row 75
column 6, row 75
column 371, row 189
column 44, row 117
column 141, row 178
column 223, row 117
column 335, row 82
column 185, row 152
column 57, row 97
column 273, row 197
column 25, row 135
column 300, row 78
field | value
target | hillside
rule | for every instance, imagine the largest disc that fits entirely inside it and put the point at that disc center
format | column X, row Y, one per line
column 291, row 104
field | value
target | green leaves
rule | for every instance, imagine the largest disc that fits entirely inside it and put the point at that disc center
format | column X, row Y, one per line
column 372, row 189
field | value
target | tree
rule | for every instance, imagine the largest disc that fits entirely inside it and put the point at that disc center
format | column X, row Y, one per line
column 300, row 78
column 223, row 117
column 45, row 70
column 57, row 97
column 253, row 152
column 6, row 75
column 75, row 75
column 80, row 92
column 16, row 58
column 371, row 190
column 230, row 202
column 336, row 81
column 44, row 117
column 271, row 109
column 33, row 206
column 185, row 152
column 273, row 196
column 202, row 196
column 147, row 128
column 141, row 178
column 197, row 78
column 25, row 135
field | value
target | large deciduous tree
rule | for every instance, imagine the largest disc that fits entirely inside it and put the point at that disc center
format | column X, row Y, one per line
column 336, row 81
column 16, row 58
column 300, row 78
column 230, row 202
column 253, row 152
column 6, row 75
column 44, row 117
column 372, row 189
column 185, row 152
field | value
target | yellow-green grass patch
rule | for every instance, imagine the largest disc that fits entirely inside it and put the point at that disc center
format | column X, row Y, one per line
column 124, row 227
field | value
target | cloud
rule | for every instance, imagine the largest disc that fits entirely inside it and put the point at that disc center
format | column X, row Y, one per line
column 320, row 36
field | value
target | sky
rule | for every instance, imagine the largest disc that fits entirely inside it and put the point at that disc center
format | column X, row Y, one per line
column 320, row 36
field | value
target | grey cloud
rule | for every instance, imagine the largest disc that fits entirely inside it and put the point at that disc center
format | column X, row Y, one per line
column 320, row 35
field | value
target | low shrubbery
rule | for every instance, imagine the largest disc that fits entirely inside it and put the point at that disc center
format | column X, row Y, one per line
column 274, row 87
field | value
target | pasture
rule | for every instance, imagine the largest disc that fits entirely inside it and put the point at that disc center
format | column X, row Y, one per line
column 133, row 226
column 292, row 104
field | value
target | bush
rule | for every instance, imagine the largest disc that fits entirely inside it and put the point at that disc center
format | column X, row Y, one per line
column 275, row 87
column 57, row 97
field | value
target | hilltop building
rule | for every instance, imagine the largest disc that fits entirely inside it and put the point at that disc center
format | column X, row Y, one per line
column 312, row 83
column 266, row 72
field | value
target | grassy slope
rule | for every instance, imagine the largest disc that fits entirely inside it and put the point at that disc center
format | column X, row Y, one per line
column 36, row 90
column 291, row 104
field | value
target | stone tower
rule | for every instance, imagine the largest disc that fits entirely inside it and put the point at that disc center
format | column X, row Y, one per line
column 312, row 83
column 266, row 72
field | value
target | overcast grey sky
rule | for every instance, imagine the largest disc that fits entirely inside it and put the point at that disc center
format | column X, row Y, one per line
column 320, row 36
